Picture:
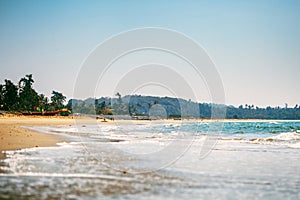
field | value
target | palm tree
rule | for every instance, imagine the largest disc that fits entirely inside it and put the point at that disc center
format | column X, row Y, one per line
column 27, row 81
column 119, row 97
column 57, row 100
column 28, row 96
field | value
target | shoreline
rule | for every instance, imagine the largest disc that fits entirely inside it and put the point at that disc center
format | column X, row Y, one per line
column 13, row 136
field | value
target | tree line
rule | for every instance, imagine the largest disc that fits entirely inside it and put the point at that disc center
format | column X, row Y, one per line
column 177, row 108
column 23, row 97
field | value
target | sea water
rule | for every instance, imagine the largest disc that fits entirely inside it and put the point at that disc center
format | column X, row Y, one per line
column 159, row 160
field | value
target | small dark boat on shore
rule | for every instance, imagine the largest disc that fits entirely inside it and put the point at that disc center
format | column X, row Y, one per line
column 51, row 113
column 32, row 113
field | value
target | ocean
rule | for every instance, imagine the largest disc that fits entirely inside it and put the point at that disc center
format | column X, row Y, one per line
column 159, row 160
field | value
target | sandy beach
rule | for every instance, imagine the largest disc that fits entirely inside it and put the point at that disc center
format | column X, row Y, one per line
column 14, row 136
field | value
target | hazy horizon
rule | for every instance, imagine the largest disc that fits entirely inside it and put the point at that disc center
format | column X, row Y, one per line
column 255, row 45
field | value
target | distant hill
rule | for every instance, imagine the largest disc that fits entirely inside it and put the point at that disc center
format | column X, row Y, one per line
column 177, row 107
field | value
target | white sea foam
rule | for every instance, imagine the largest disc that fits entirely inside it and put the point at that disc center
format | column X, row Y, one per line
column 288, row 139
column 296, row 145
column 273, row 122
column 173, row 125
column 67, row 144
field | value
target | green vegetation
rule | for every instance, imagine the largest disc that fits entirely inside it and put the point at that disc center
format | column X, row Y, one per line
column 254, row 112
column 23, row 97
column 28, row 97
column 10, row 96
column 137, row 105
column 57, row 100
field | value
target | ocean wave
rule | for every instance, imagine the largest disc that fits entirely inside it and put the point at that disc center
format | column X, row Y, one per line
column 289, row 139
column 273, row 122
column 284, row 139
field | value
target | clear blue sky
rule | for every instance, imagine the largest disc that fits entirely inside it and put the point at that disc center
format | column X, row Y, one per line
column 254, row 44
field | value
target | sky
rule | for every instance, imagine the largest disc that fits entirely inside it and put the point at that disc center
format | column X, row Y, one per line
column 255, row 45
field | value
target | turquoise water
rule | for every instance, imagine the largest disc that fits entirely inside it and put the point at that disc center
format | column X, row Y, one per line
column 160, row 160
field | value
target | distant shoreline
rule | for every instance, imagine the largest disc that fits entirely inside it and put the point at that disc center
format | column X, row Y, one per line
column 13, row 136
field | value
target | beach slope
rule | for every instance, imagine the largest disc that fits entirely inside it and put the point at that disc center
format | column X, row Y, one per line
column 14, row 136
